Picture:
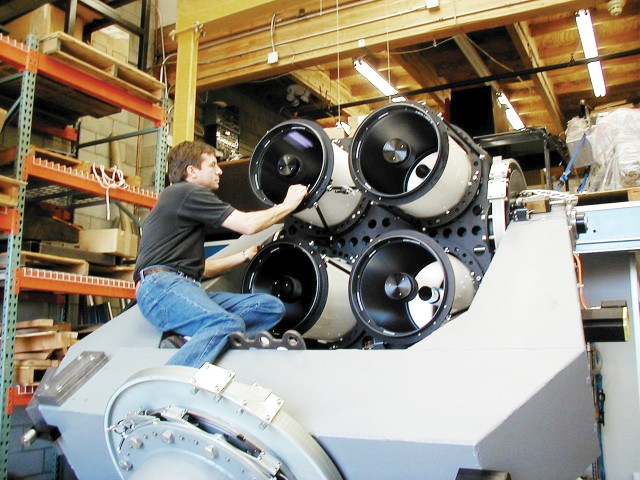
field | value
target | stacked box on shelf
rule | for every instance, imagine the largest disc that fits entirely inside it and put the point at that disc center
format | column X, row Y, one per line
column 39, row 344
column 109, row 240
column 42, row 21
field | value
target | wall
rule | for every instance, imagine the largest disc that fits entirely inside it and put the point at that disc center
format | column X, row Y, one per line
column 255, row 118
column 613, row 276
column 38, row 462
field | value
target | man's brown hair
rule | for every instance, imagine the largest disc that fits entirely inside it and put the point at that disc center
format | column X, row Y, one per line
column 184, row 154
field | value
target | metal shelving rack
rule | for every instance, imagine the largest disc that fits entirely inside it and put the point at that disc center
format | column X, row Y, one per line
column 31, row 65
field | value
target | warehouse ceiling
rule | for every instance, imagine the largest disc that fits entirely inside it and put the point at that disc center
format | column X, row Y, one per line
column 530, row 50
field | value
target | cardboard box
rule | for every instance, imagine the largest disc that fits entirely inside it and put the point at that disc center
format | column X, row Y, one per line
column 109, row 240
column 41, row 22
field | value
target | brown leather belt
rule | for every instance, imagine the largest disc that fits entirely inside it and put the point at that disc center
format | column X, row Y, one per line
column 151, row 270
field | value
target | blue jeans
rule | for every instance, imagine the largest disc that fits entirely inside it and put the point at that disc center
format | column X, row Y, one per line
column 172, row 302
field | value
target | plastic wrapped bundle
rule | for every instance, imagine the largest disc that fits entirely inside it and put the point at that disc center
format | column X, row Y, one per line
column 578, row 127
column 616, row 151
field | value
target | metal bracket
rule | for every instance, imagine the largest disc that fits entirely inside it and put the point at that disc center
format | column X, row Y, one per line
column 291, row 340
column 57, row 386
column 212, row 378
column 196, row 27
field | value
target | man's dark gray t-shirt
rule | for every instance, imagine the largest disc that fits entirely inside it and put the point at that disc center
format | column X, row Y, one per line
column 173, row 234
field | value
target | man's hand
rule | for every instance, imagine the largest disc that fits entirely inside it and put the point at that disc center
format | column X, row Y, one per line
column 295, row 195
column 249, row 223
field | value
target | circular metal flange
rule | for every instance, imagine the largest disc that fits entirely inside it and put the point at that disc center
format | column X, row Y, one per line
column 293, row 152
column 311, row 287
column 402, row 316
column 296, row 276
column 163, row 449
column 395, row 137
column 178, row 422
column 506, row 181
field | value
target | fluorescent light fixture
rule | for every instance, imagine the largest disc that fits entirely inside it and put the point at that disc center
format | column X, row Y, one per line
column 587, row 37
column 371, row 74
column 503, row 100
column 514, row 119
column 510, row 112
column 597, row 79
column 590, row 48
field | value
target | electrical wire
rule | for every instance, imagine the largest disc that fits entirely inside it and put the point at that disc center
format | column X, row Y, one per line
column 164, row 78
column 435, row 44
column 338, row 61
column 578, row 263
column 106, row 181
column 273, row 32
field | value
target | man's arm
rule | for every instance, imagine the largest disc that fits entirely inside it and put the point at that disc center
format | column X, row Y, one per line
column 248, row 223
column 219, row 265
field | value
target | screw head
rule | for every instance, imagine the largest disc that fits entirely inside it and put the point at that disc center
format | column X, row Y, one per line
column 211, row 451
column 167, row 436
column 136, row 442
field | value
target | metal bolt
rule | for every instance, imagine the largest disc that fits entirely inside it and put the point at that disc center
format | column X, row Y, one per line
column 211, row 451
column 167, row 436
column 135, row 442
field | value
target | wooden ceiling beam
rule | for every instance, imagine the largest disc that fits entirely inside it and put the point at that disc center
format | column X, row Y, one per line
column 424, row 75
column 228, row 58
column 556, row 52
column 473, row 57
column 626, row 21
column 525, row 44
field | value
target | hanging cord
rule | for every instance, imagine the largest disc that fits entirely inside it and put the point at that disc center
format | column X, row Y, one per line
column 338, row 60
column 106, row 181
column 272, row 32
column 578, row 262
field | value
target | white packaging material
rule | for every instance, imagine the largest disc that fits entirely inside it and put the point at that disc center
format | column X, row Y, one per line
column 577, row 128
column 616, row 151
